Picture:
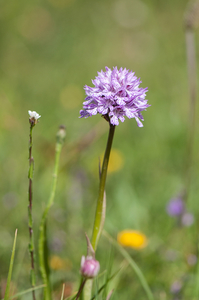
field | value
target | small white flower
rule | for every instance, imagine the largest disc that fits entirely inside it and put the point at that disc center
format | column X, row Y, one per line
column 34, row 114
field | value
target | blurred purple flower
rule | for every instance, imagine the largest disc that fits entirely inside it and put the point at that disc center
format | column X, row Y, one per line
column 171, row 255
column 175, row 207
column 187, row 219
column 115, row 94
column 192, row 259
column 176, row 287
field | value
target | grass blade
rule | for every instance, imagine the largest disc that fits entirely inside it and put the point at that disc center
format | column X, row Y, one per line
column 6, row 297
column 133, row 264
column 62, row 294
column 43, row 249
column 104, row 285
column 25, row 292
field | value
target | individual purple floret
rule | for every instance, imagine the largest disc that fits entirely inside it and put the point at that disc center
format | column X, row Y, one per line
column 116, row 94
column 175, row 207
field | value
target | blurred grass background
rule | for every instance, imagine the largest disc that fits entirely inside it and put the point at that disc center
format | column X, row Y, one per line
column 48, row 51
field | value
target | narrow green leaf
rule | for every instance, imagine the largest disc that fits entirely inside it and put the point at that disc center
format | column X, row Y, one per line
column 133, row 264
column 43, row 249
column 25, row 292
column 196, row 289
column 6, row 297
column 104, row 285
column 44, row 269
column 31, row 170
column 62, row 294
column 109, row 271
column 109, row 295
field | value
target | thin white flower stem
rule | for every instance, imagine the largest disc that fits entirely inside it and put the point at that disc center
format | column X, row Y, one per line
column 30, row 219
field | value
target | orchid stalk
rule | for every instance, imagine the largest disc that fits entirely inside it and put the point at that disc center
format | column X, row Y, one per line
column 116, row 94
column 101, row 202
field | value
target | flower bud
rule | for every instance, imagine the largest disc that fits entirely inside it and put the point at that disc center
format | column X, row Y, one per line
column 61, row 134
column 89, row 267
column 33, row 117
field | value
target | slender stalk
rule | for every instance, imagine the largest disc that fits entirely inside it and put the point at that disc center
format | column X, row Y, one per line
column 101, row 205
column 191, row 66
column 30, row 221
column 80, row 288
column 42, row 235
column 191, row 23
column 6, row 296
column 17, row 295
column 97, row 228
column 196, row 289
column 62, row 294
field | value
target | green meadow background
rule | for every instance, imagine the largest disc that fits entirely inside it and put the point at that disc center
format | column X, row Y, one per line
column 48, row 51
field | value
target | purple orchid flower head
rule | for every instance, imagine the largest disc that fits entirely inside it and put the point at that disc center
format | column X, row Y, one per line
column 116, row 94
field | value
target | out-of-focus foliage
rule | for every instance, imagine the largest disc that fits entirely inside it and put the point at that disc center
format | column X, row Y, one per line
column 48, row 51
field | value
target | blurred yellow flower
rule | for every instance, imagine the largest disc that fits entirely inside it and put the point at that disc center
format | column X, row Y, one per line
column 116, row 161
column 132, row 238
column 57, row 263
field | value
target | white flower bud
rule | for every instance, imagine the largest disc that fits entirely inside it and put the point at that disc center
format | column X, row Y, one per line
column 34, row 116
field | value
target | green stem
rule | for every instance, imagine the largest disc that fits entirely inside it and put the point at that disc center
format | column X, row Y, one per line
column 97, row 228
column 80, row 289
column 30, row 220
column 42, row 235
column 101, row 206
column 191, row 66
column 196, row 289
